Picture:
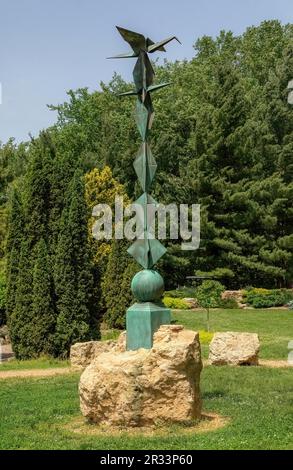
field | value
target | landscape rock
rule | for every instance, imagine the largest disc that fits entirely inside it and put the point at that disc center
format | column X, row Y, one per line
column 145, row 387
column 191, row 302
column 234, row 349
column 4, row 335
column 82, row 354
column 236, row 295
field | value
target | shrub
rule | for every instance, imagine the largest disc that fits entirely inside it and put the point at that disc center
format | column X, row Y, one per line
column 260, row 302
column 184, row 293
column 260, row 291
column 229, row 303
column 177, row 304
column 264, row 298
column 205, row 337
column 290, row 305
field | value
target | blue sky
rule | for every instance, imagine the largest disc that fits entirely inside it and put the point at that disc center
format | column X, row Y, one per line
column 50, row 46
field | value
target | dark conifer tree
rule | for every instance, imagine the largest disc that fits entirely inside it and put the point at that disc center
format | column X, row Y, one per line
column 77, row 307
column 116, row 282
column 43, row 311
column 21, row 318
column 15, row 237
column 38, row 188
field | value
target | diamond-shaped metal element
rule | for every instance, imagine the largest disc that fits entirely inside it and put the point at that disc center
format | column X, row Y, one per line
column 143, row 73
column 147, row 252
column 145, row 166
column 144, row 117
column 145, row 199
column 147, row 216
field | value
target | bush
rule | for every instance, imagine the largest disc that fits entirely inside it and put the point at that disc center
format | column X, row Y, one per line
column 290, row 305
column 229, row 303
column 264, row 298
column 176, row 304
column 205, row 337
column 184, row 293
column 250, row 292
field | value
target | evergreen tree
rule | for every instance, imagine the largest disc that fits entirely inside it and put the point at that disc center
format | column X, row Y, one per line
column 2, row 299
column 21, row 319
column 38, row 188
column 43, row 312
column 116, row 283
column 77, row 307
column 14, row 240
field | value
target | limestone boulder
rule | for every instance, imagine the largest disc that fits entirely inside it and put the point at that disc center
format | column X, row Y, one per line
column 235, row 349
column 191, row 302
column 144, row 387
column 82, row 354
column 4, row 335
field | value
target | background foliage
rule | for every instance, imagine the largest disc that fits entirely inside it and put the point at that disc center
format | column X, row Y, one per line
column 222, row 137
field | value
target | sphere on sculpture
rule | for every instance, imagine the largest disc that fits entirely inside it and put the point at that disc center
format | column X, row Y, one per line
column 147, row 286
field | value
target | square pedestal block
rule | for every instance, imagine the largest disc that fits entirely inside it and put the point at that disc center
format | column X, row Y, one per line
column 142, row 321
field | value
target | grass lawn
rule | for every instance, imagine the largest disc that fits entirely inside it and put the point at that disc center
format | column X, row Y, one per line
column 42, row 363
column 47, row 362
column 38, row 413
column 35, row 414
column 275, row 327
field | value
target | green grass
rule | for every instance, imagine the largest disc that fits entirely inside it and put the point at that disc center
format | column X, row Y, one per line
column 41, row 363
column 110, row 334
column 35, row 413
column 47, row 362
column 275, row 327
column 258, row 401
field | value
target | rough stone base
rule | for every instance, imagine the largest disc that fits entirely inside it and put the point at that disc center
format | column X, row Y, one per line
column 145, row 387
column 234, row 349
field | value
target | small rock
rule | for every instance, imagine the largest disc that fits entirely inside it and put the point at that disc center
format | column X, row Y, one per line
column 236, row 295
column 4, row 334
column 191, row 302
column 234, row 349
column 82, row 354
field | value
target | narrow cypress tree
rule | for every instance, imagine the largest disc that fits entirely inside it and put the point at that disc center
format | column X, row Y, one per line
column 116, row 291
column 38, row 189
column 13, row 248
column 77, row 313
column 21, row 320
column 43, row 312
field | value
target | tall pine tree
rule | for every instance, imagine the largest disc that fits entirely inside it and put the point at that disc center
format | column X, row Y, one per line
column 116, row 292
column 77, row 307
column 15, row 236
column 21, row 318
column 43, row 311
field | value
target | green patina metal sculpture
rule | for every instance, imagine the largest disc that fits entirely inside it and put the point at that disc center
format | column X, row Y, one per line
column 146, row 316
